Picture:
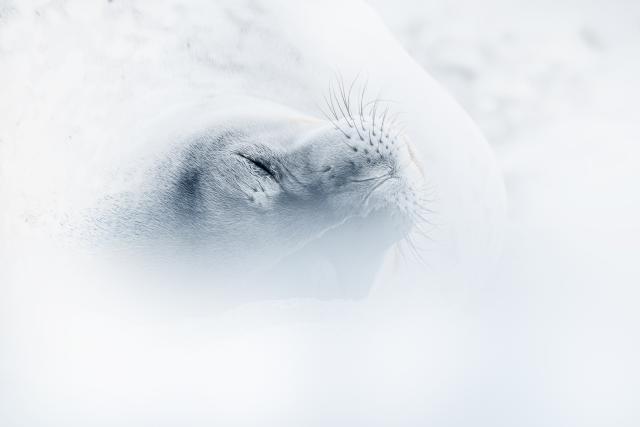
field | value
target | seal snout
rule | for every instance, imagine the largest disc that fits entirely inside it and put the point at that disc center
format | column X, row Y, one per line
column 366, row 166
column 384, row 164
column 377, row 158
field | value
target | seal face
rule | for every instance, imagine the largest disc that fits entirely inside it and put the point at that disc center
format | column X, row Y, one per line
column 262, row 184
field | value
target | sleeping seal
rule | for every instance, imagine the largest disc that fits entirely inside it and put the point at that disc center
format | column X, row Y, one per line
column 259, row 188
column 198, row 128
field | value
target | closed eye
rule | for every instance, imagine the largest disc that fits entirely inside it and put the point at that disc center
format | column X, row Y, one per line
column 263, row 167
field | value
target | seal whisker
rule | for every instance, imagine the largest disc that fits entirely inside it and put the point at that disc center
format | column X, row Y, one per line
column 324, row 113
column 343, row 93
column 420, row 217
column 330, row 107
column 340, row 105
column 346, row 99
column 415, row 252
column 349, row 94
column 384, row 118
column 335, row 125
column 374, row 111
column 344, row 115
column 362, row 95
column 374, row 188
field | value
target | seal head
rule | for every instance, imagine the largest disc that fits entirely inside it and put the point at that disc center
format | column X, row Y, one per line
column 262, row 186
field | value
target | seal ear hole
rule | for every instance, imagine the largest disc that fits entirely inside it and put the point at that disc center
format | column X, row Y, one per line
column 327, row 169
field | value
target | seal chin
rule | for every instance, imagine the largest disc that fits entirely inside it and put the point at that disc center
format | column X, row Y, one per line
column 341, row 263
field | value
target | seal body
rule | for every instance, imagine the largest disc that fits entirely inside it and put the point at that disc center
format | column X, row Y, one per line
column 124, row 124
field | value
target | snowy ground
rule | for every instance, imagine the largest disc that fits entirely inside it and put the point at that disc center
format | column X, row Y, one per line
column 555, row 87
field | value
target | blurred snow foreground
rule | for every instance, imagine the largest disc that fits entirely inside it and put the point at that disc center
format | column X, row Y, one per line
column 550, row 340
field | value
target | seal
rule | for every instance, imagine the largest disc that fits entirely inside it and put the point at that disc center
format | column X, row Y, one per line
column 199, row 127
column 261, row 182
column 147, row 126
